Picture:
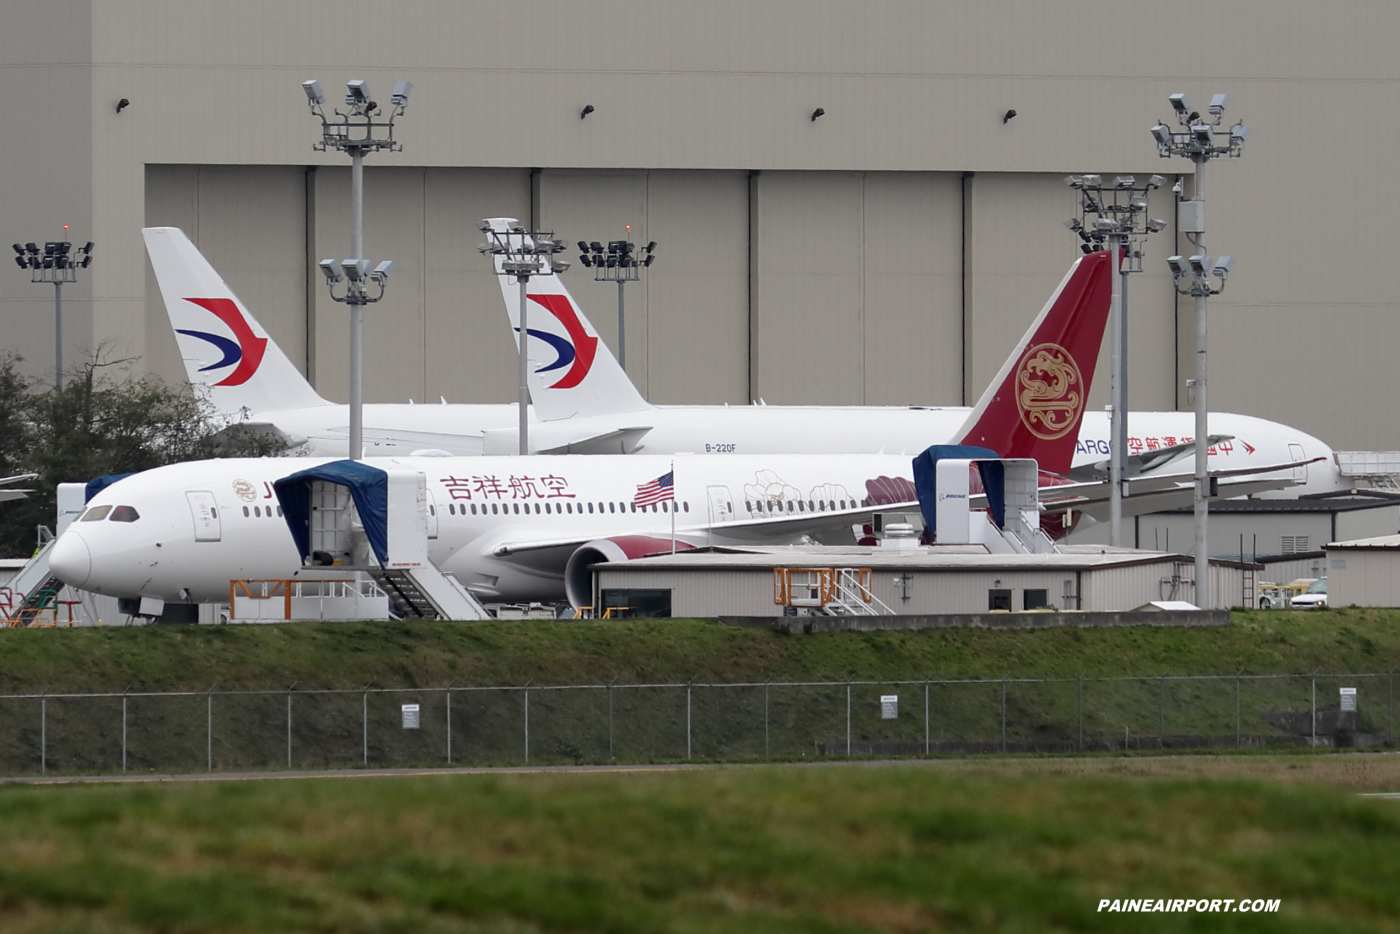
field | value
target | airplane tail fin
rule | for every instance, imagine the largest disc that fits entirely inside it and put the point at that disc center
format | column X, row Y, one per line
column 225, row 350
column 1035, row 404
column 571, row 371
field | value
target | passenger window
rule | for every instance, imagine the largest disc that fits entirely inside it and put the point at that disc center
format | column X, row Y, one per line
column 96, row 514
column 611, row 508
column 125, row 514
column 590, row 507
column 537, row 509
column 246, row 513
column 634, row 507
column 494, row 512
column 214, row 513
column 686, row 506
column 279, row 513
column 517, row 508
column 257, row 512
column 569, row 508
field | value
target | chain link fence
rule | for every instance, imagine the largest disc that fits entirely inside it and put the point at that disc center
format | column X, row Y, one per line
column 185, row 732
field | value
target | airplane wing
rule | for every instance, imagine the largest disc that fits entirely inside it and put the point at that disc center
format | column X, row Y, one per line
column 9, row 494
column 1146, row 461
column 1155, row 493
column 566, row 437
column 765, row 528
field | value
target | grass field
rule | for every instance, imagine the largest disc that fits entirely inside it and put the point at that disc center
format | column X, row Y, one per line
column 986, row 846
column 351, row 655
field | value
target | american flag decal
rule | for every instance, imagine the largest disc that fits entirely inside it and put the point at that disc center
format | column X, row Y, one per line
column 655, row 491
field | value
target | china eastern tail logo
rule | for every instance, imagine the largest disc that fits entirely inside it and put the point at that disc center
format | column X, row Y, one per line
column 1049, row 391
column 576, row 351
column 246, row 349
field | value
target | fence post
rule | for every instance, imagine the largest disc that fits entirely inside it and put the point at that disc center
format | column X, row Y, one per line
column 124, row 732
column 610, row 719
column 449, row 724
column 1237, row 710
column 364, row 726
column 1081, row 713
column 687, row 721
column 43, row 735
column 1390, row 705
column 848, row 719
column 1162, row 711
column 925, row 718
column 765, row 718
column 1003, row 713
column 289, row 729
column 527, row 724
column 209, row 730
column 1314, row 713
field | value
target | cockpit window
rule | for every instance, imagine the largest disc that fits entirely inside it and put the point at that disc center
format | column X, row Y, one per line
column 125, row 514
column 96, row 514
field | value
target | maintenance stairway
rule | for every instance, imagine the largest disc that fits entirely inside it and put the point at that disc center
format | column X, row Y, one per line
column 427, row 593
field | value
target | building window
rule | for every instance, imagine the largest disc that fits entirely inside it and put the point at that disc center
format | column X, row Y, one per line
column 1034, row 599
column 1295, row 544
column 998, row 600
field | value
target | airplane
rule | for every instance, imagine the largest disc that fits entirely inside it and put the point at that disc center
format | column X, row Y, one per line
column 583, row 402
column 516, row 528
column 180, row 533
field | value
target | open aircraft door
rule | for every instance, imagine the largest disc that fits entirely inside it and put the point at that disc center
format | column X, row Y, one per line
column 205, row 513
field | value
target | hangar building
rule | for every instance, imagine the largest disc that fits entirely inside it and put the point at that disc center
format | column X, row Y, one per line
column 887, row 251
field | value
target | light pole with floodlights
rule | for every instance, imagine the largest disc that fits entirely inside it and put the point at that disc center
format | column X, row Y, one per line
column 57, row 264
column 622, row 263
column 524, row 253
column 1195, row 138
column 1116, row 213
column 360, row 130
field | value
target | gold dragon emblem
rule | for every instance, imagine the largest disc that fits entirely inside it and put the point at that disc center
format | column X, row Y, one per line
column 245, row 490
column 1048, row 391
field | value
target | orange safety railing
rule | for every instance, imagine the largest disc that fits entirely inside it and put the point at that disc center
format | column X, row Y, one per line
column 817, row 586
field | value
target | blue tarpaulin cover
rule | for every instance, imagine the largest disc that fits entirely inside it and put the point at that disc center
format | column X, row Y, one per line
column 98, row 484
column 993, row 479
column 369, row 487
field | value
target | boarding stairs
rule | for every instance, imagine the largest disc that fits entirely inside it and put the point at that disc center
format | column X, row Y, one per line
column 34, row 591
column 427, row 593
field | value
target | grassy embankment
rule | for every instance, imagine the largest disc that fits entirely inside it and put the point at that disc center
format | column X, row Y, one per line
column 640, row 725
column 1013, row 846
column 350, row 655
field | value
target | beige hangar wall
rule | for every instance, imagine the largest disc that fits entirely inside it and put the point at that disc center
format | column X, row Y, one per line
column 692, row 101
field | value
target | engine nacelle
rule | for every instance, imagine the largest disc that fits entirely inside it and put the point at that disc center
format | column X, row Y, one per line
column 578, row 579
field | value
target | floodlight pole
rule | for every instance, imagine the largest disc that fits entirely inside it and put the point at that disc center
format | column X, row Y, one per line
column 1118, row 393
column 355, row 132
column 1116, row 214
column 57, row 264
column 524, row 254
column 1195, row 138
column 355, row 299
column 620, row 262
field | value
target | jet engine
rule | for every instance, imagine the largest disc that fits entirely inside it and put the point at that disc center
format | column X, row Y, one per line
column 578, row 579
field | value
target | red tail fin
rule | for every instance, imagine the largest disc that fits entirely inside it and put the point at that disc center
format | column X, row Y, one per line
column 1035, row 404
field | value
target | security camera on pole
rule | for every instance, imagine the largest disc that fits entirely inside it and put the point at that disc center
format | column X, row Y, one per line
column 1199, row 140
column 358, row 131
column 1116, row 213
column 622, row 263
column 57, row 264
column 524, row 254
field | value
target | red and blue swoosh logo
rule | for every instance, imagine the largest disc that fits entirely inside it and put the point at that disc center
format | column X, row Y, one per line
column 575, row 352
column 246, row 349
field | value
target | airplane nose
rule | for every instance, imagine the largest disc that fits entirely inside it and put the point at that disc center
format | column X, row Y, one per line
column 70, row 559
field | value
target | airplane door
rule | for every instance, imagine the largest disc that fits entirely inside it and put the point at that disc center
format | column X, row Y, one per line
column 432, row 516
column 205, row 513
column 1295, row 454
column 721, row 505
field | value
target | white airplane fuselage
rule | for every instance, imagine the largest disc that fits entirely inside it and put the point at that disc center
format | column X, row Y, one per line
column 504, row 526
